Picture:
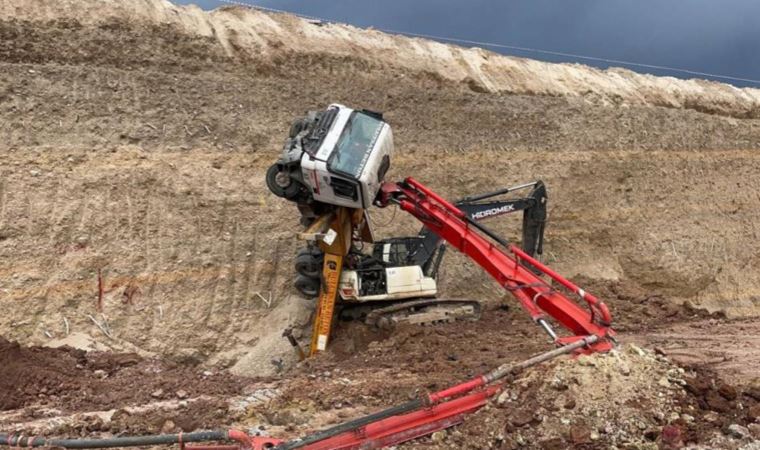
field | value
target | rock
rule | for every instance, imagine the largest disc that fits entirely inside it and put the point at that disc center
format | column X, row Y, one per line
column 717, row 402
column 570, row 404
column 100, row 373
column 158, row 393
column 753, row 413
column 34, row 173
column 711, row 417
column 664, row 382
column 754, row 429
column 636, row 350
column 737, row 431
column 521, row 418
column 438, row 436
column 181, row 394
column 559, row 385
column 727, row 392
column 580, row 435
column 168, row 427
column 687, row 418
column 503, row 398
column 696, row 386
column 671, row 437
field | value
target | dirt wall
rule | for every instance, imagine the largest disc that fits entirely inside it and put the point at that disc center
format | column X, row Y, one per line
column 137, row 150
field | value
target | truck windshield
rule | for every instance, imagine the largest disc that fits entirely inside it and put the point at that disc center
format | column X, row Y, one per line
column 355, row 144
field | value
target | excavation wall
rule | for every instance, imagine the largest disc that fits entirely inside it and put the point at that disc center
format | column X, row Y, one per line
column 135, row 136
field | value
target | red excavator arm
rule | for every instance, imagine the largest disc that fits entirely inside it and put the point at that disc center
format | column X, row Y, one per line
column 512, row 268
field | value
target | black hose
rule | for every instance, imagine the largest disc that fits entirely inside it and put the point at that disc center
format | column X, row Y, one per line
column 18, row 440
column 351, row 425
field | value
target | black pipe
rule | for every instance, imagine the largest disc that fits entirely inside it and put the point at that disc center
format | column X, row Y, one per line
column 352, row 425
column 475, row 198
column 486, row 231
column 19, row 440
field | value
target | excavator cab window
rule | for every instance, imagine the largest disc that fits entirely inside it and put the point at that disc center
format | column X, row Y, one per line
column 396, row 252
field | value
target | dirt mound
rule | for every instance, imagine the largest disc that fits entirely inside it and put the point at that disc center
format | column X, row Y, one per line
column 631, row 398
column 26, row 373
column 72, row 380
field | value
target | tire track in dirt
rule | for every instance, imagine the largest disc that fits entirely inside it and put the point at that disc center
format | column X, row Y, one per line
column 731, row 348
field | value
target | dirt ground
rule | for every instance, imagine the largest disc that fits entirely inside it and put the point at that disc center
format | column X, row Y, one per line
column 133, row 156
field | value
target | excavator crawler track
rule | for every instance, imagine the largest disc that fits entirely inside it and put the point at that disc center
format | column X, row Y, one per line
column 430, row 311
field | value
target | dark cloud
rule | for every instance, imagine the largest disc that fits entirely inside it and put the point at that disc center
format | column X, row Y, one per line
column 720, row 37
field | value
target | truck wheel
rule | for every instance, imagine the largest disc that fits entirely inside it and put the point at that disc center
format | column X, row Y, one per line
column 281, row 184
column 309, row 287
column 309, row 263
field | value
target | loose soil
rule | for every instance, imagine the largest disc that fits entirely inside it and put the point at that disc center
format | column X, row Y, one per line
column 133, row 153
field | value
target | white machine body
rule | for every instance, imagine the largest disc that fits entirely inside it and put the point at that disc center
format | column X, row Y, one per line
column 401, row 283
column 351, row 162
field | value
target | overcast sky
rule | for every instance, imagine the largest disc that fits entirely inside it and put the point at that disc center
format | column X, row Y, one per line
column 713, row 36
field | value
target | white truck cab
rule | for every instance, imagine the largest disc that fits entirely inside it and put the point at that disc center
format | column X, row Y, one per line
column 338, row 156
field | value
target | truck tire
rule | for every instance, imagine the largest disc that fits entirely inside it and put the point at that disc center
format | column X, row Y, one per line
column 309, row 263
column 308, row 287
column 288, row 192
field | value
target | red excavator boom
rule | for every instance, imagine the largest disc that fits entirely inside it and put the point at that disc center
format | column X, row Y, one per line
column 512, row 268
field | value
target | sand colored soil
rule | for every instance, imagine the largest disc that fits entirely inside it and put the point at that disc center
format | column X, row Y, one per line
column 134, row 137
